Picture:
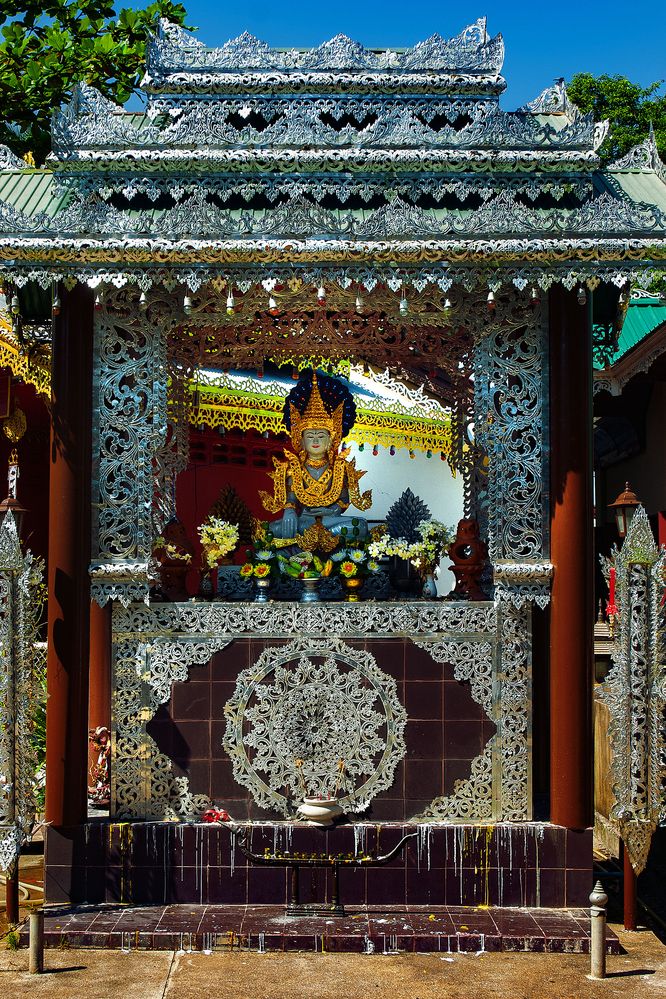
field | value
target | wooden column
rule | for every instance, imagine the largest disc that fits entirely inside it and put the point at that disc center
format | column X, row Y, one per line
column 661, row 527
column 628, row 892
column 69, row 553
column 571, row 611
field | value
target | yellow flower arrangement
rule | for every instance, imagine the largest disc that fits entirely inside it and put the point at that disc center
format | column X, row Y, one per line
column 218, row 539
column 173, row 552
column 349, row 569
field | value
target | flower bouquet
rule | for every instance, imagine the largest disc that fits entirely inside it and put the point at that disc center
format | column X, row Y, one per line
column 424, row 554
column 261, row 565
column 353, row 565
column 218, row 540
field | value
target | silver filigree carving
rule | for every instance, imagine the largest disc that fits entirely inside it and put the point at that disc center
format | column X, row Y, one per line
column 130, row 429
column 472, row 799
column 197, row 215
column 10, row 161
column 20, row 610
column 173, row 50
column 293, row 121
column 644, row 157
column 521, row 582
column 635, row 690
column 552, row 100
column 281, row 620
column 510, row 404
column 302, row 708
column 156, row 644
column 514, row 712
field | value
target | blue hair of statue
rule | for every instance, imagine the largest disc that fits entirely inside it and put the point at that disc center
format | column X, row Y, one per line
column 332, row 391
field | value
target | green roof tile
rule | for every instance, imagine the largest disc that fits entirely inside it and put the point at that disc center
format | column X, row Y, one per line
column 643, row 317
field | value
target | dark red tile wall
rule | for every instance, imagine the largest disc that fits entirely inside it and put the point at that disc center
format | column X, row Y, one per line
column 446, row 729
column 532, row 864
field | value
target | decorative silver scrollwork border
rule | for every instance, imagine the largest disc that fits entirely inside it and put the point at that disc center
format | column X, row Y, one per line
column 21, row 598
column 635, row 689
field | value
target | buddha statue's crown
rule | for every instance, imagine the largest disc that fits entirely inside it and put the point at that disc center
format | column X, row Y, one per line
column 316, row 416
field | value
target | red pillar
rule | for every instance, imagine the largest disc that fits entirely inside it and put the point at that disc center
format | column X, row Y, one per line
column 661, row 528
column 571, row 611
column 628, row 892
column 69, row 553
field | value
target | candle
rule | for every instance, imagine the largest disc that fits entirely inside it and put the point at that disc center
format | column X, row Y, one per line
column 611, row 595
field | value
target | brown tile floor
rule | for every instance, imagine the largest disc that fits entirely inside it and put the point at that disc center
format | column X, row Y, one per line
column 387, row 929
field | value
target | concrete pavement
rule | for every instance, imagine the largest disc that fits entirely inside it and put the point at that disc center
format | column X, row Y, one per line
column 641, row 972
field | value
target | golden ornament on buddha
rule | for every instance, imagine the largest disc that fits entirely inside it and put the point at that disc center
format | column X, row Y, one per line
column 317, row 478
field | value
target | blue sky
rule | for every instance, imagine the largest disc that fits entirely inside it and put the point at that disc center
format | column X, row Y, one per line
column 543, row 40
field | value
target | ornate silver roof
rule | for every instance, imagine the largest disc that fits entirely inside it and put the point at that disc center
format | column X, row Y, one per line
column 340, row 162
column 472, row 52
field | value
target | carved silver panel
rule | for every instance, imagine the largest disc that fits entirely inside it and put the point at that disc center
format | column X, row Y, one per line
column 92, row 122
column 511, row 403
column 157, row 644
column 130, row 428
column 20, row 613
column 198, row 215
column 635, row 690
column 303, row 708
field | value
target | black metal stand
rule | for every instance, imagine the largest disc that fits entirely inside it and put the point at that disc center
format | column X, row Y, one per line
column 334, row 907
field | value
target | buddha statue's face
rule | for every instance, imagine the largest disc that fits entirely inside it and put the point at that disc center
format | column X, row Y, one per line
column 315, row 442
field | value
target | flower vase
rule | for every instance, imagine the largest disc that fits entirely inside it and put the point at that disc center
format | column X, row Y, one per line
column 352, row 586
column 429, row 591
column 309, row 594
column 206, row 586
column 262, row 586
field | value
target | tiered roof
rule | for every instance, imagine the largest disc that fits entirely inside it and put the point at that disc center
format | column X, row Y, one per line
column 359, row 166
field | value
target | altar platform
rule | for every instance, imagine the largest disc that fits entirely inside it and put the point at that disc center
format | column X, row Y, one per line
column 197, row 864
column 369, row 930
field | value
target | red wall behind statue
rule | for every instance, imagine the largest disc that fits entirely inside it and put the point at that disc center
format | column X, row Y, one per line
column 238, row 458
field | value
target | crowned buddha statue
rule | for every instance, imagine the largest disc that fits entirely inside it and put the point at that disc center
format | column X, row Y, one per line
column 316, row 479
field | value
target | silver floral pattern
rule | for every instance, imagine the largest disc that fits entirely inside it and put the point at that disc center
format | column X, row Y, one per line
column 635, row 690
column 302, row 709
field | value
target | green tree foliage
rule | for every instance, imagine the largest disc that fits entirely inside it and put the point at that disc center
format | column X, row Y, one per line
column 628, row 107
column 46, row 48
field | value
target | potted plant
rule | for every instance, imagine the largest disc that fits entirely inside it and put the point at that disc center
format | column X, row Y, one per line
column 353, row 565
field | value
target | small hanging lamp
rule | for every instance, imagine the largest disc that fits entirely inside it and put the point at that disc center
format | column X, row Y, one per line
column 625, row 507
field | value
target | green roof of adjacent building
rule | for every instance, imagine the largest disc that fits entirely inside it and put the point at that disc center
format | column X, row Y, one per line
column 643, row 317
